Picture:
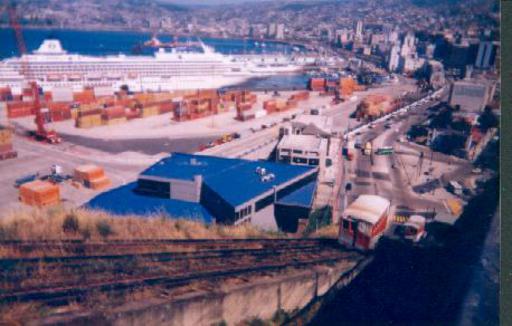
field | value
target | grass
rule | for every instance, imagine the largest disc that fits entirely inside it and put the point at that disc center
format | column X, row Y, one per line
column 58, row 223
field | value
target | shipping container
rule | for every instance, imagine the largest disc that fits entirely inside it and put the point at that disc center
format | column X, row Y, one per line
column 39, row 193
column 88, row 172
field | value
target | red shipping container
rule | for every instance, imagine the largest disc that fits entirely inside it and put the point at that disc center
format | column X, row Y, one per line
column 113, row 112
column 60, row 115
column 132, row 114
column 48, row 96
column 89, row 112
column 5, row 148
column 166, row 107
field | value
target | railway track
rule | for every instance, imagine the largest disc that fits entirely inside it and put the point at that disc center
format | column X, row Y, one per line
column 37, row 249
column 61, row 280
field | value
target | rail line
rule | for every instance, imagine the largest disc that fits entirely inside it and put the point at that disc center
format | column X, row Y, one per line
column 14, row 248
column 72, row 278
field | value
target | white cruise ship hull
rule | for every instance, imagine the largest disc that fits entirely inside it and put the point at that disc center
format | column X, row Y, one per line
column 53, row 67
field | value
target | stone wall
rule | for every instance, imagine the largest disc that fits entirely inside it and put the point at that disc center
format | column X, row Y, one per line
column 229, row 304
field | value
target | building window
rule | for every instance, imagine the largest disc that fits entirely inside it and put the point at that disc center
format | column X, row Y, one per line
column 297, row 151
column 300, row 160
column 314, row 161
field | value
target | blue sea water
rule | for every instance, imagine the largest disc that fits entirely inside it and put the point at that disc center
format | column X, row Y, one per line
column 113, row 42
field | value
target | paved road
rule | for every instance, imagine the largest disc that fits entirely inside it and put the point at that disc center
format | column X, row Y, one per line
column 376, row 175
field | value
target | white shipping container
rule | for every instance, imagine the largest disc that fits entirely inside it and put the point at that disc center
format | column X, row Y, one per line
column 260, row 113
column 62, row 94
column 103, row 91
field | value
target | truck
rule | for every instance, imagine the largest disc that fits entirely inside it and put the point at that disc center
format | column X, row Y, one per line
column 412, row 229
column 367, row 150
column 364, row 222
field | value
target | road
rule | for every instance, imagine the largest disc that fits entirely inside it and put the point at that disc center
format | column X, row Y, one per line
column 385, row 175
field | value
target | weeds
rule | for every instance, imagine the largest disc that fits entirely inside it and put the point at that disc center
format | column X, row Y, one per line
column 58, row 223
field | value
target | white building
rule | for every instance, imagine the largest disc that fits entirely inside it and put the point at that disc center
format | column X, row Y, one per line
column 303, row 150
column 359, row 31
column 409, row 46
column 394, row 58
column 280, row 31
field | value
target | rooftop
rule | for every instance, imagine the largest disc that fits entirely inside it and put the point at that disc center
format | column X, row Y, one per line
column 304, row 142
column 322, row 122
column 368, row 208
column 124, row 201
column 300, row 197
column 235, row 180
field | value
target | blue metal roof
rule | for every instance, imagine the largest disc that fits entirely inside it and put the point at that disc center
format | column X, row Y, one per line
column 124, row 201
column 235, row 180
column 300, row 197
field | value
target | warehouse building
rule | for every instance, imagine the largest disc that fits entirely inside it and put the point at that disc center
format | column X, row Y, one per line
column 220, row 190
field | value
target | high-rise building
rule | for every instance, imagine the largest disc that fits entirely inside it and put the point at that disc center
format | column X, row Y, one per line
column 485, row 55
column 393, row 37
column 409, row 46
column 435, row 72
column 280, row 31
column 394, row 58
column 359, row 31
column 271, row 30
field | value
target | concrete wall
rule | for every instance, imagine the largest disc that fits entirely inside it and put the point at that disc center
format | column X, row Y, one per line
column 232, row 304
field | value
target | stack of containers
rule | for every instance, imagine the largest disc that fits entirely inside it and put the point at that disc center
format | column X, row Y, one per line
column 89, row 117
column 84, row 97
column 6, row 149
column 347, row 86
column 300, row 96
column 317, row 84
column 19, row 109
column 149, row 109
column 5, row 94
column 91, row 176
column 281, row 105
column 39, row 193
column 59, row 111
column 270, row 106
column 167, row 106
column 114, row 115
column 291, row 103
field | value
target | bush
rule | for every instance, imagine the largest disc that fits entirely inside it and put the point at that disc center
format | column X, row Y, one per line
column 318, row 219
column 70, row 224
column 104, row 229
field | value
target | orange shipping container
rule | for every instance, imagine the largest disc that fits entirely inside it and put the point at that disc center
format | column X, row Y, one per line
column 98, row 184
column 39, row 193
column 88, row 172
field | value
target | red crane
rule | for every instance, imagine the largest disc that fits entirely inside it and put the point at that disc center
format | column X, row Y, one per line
column 41, row 133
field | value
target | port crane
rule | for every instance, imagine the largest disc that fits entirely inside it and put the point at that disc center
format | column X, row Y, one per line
column 41, row 133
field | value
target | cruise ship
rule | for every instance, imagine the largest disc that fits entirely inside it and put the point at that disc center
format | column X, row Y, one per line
column 53, row 67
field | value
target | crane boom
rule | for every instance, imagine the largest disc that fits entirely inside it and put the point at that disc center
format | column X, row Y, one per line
column 41, row 132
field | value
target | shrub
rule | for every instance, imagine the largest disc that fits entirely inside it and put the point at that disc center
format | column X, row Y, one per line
column 104, row 229
column 70, row 224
